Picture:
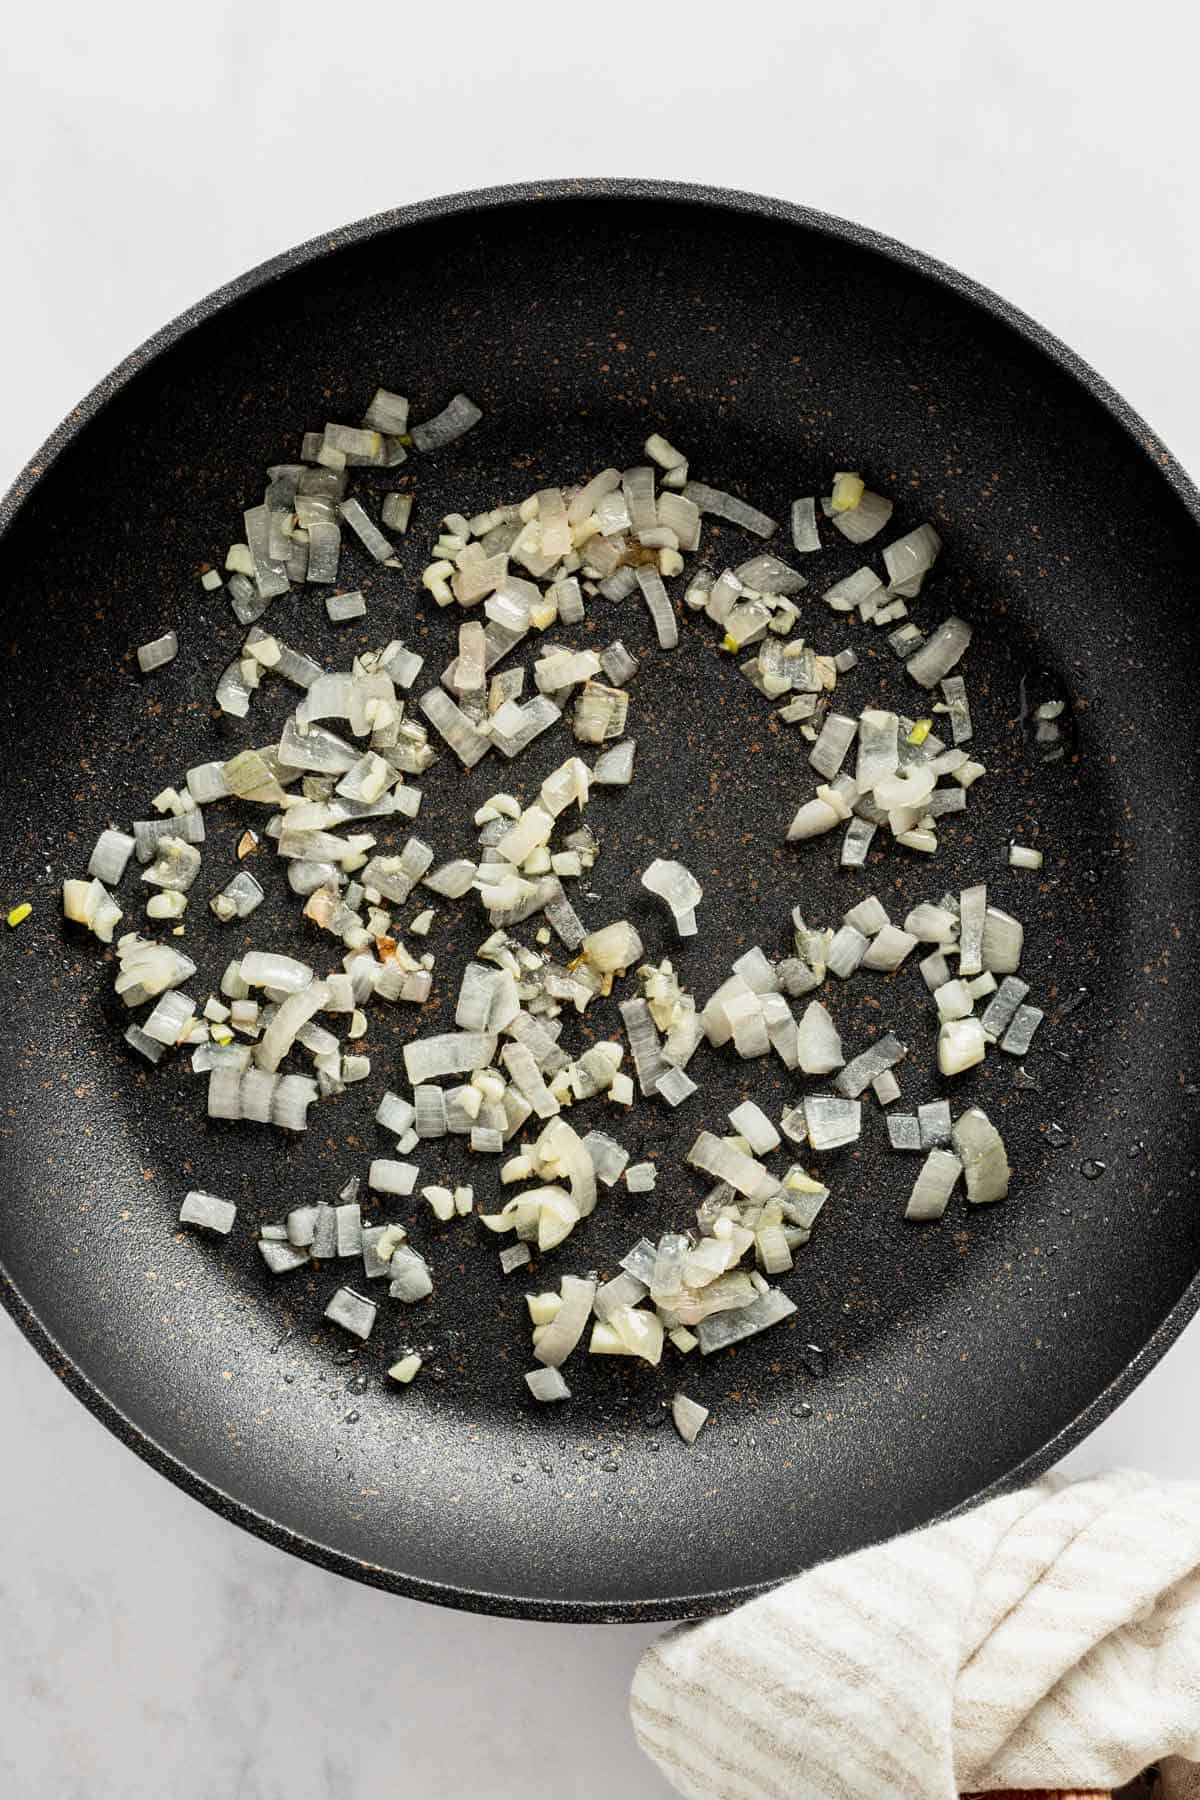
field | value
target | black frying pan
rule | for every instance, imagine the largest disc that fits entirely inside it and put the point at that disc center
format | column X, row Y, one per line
column 774, row 345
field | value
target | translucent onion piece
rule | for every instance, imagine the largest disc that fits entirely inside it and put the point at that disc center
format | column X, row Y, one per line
column 1020, row 1033
column 110, row 858
column 90, row 903
column 514, row 727
column 749, row 1121
column 818, row 1044
column 831, row 1123
column 613, row 948
column 878, row 748
column 250, row 777
column 238, row 898
column 972, row 917
column 169, row 1022
column 662, row 612
column 584, row 503
column 547, row 1385
column 856, row 843
column 394, row 513
column 294, row 1013
column 886, row 1088
column 147, row 969
column 727, row 506
column 466, row 740
column 1003, row 940
column 410, row 1277
column 223, row 1094
column 452, row 422
column 341, row 607
column 270, row 969
column 829, row 752
column 724, row 1163
column 934, row 1185
column 864, row 521
column 805, row 536
column 608, row 1158
column 903, row 1131
column 387, row 1176
column 674, row 1086
column 909, row 787
column 158, row 653
column 880, row 1056
column 270, row 575
column 678, row 888
column 387, row 412
column 208, row 1211
column 869, row 916
column 931, row 924
column 316, row 748
column 985, row 1164
column 889, row 948
column 718, row 1331
column 909, row 560
column 939, row 653
column 145, row 1046
column 352, row 1312
column 768, row 574
column 1000, row 1011
column 857, row 590
column 569, row 1323
column 954, row 693
column 953, row 1000
column 813, row 819
column 628, row 1331
column 281, row 1258
column 358, row 447
column 846, row 952
column 450, row 1053
column 324, row 551
column 622, row 1291
column 527, row 1079
column 961, row 1044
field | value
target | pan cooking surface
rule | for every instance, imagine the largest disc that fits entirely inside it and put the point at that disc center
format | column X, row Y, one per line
column 924, row 1364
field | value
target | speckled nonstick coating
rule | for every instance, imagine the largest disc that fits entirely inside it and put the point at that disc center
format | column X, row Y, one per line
column 775, row 345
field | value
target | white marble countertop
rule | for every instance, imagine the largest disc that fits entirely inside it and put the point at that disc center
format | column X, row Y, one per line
column 150, row 1649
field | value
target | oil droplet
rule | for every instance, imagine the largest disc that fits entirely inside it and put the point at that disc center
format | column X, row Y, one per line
column 587, row 1453
column 610, row 1466
column 1092, row 1168
column 352, row 1418
column 517, row 1480
column 1056, row 1135
column 803, row 1411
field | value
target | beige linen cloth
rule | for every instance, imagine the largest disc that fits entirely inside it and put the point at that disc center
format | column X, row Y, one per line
column 1050, row 1639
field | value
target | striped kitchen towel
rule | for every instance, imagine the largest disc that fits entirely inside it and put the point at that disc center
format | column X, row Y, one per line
column 1049, row 1639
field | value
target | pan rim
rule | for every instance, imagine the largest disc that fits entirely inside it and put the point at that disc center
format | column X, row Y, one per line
column 686, row 195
